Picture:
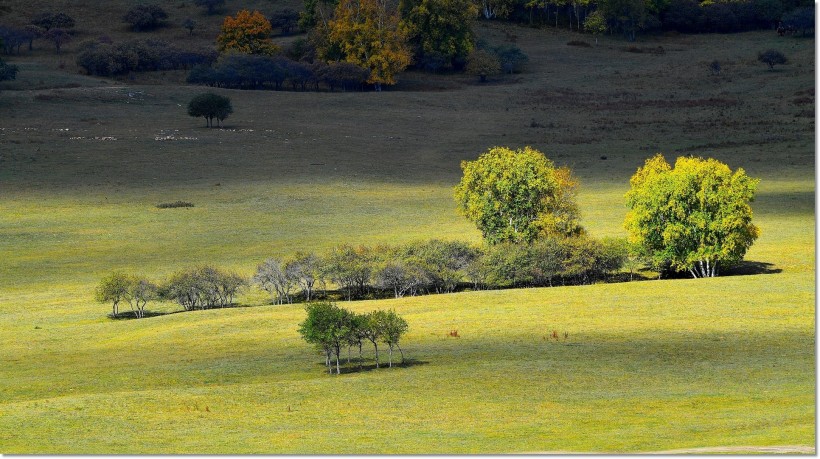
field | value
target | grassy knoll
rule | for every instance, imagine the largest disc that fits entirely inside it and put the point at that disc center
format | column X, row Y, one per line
column 647, row 366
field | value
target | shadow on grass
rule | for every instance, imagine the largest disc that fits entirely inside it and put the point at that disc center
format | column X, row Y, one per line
column 749, row 268
column 131, row 315
column 370, row 365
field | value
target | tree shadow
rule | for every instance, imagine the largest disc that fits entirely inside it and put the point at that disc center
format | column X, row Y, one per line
column 749, row 268
column 353, row 366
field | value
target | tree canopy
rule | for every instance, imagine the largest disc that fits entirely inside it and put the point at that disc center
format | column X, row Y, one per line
column 210, row 106
column 440, row 29
column 518, row 195
column 694, row 217
column 247, row 32
column 368, row 34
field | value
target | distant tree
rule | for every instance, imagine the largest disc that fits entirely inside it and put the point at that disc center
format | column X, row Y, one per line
column 482, row 64
column 113, row 289
column 399, row 276
column 517, row 196
column 248, row 32
column 145, row 17
column 392, row 327
column 59, row 37
column 344, row 75
column 13, row 39
column 800, row 19
column 48, row 20
column 33, row 32
column 441, row 31
column 695, row 217
column 285, row 20
column 7, row 71
column 306, row 270
column 626, row 16
column 772, row 57
column 273, row 277
column 140, row 292
column 595, row 23
column 350, row 268
column 372, row 331
column 369, row 34
column 212, row 6
column 511, row 58
column 210, row 106
column 189, row 24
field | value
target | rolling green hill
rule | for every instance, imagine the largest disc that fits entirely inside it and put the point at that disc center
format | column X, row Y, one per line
column 645, row 366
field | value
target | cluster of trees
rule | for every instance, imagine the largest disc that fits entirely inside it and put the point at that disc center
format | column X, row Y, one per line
column 53, row 27
column 196, row 288
column 251, row 71
column 105, row 58
column 210, row 106
column 144, row 17
column 331, row 328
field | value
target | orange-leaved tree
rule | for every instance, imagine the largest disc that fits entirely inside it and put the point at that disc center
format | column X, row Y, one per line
column 248, row 32
column 369, row 34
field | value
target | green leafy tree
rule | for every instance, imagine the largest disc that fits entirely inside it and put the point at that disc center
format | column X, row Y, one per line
column 329, row 327
column 350, row 268
column 772, row 57
column 517, row 196
column 595, row 23
column 694, row 217
column 113, row 288
column 140, row 292
column 391, row 327
column 482, row 64
column 210, row 106
column 439, row 29
column 371, row 330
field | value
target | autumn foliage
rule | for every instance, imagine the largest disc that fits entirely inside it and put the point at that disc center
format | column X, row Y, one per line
column 248, row 32
column 369, row 35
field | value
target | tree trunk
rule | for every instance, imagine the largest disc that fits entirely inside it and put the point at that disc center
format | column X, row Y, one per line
column 390, row 358
column 361, row 357
column 401, row 352
column 376, row 346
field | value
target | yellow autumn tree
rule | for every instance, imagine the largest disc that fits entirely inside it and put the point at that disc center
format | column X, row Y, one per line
column 369, row 35
column 248, row 32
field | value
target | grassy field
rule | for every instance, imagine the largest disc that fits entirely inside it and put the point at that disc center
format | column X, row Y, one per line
column 646, row 366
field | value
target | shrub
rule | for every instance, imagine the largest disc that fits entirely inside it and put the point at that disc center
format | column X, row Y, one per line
column 145, row 17
column 204, row 287
column 7, row 71
column 482, row 64
column 285, row 20
column 210, row 106
column 772, row 57
column 174, row 205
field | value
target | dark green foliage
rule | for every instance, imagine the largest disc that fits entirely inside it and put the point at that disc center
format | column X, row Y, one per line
column 212, row 6
column 511, row 58
column 48, row 20
column 7, row 71
column 145, row 17
column 118, row 287
column 284, row 20
column 255, row 71
column 439, row 31
column 174, row 205
column 112, row 59
column 210, row 106
column 800, row 19
column 772, row 57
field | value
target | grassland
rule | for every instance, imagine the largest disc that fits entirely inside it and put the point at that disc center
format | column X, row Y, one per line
column 647, row 366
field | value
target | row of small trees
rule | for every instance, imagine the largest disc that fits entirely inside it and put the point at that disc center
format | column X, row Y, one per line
column 331, row 328
column 105, row 58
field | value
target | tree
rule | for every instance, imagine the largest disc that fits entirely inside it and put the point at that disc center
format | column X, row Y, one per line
column 272, row 277
column 391, row 328
column 189, row 24
column 305, row 269
column 285, row 20
column 482, row 64
column 210, row 106
column 694, row 217
column 625, row 16
column 517, row 196
column 113, row 288
column 369, row 34
column 211, row 5
column 772, row 57
column 48, row 20
column 329, row 328
column 350, row 268
column 441, row 31
column 248, row 32
column 145, row 17
column 59, row 37
column 511, row 58
column 595, row 24
column 7, row 71
column 140, row 291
